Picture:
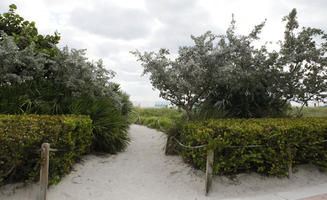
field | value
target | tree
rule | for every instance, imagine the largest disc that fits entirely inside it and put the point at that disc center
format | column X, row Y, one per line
column 244, row 89
column 18, row 66
column 228, row 73
column 185, row 80
column 202, row 70
column 302, row 63
column 25, row 33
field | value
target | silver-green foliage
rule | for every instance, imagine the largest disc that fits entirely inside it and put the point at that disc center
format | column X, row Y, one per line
column 18, row 66
column 229, row 69
column 70, row 68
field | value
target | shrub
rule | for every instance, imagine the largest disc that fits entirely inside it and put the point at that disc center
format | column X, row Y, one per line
column 304, row 136
column 21, row 137
column 109, row 124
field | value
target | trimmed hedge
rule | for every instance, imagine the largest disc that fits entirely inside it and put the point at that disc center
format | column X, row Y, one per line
column 21, row 137
column 304, row 136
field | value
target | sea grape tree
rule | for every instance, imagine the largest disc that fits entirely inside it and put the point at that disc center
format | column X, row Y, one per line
column 186, row 80
column 229, row 73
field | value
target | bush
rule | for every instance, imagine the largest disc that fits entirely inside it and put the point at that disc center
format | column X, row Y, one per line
column 110, row 126
column 21, row 137
column 304, row 136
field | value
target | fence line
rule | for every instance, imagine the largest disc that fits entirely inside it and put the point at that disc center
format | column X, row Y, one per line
column 210, row 158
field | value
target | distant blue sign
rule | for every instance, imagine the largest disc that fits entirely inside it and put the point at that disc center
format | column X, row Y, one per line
column 161, row 104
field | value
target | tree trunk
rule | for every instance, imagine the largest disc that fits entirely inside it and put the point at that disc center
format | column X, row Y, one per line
column 189, row 114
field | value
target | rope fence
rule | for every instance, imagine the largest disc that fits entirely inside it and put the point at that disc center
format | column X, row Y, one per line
column 210, row 153
column 210, row 157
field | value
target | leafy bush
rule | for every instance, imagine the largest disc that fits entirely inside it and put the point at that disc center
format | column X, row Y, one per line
column 109, row 124
column 21, row 137
column 304, row 137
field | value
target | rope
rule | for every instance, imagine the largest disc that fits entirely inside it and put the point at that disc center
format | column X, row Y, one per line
column 189, row 147
column 246, row 146
column 10, row 170
column 55, row 150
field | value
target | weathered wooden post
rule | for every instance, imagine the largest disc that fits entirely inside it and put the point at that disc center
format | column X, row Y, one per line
column 210, row 158
column 289, row 153
column 44, row 172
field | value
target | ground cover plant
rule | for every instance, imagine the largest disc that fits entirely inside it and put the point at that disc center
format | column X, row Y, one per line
column 158, row 118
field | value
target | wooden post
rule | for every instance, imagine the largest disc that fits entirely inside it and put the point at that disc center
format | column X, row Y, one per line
column 167, row 145
column 44, row 172
column 289, row 153
column 208, row 183
column 138, row 118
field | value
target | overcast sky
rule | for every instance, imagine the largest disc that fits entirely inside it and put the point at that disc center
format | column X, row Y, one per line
column 110, row 29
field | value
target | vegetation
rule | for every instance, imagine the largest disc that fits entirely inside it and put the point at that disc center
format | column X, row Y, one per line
column 309, row 111
column 21, row 137
column 161, row 119
column 39, row 78
column 229, row 75
column 304, row 137
column 25, row 33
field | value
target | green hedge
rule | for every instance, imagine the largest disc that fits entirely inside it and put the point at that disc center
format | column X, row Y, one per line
column 21, row 137
column 304, row 136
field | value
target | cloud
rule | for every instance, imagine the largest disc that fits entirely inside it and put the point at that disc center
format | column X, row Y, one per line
column 178, row 21
column 4, row 6
column 112, row 21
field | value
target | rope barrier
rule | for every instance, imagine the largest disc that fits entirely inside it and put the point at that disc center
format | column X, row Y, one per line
column 245, row 146
column 189, row 147
column 9, row 171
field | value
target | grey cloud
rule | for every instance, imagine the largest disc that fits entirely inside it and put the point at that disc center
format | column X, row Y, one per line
column 110, row 48
column 128, row 77
column 113, row 22
column 180, row 20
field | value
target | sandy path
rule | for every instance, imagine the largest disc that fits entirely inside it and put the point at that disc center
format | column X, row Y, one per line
column 143, row 172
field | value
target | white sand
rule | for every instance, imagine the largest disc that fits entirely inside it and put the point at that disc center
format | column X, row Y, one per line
column 144, row 172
